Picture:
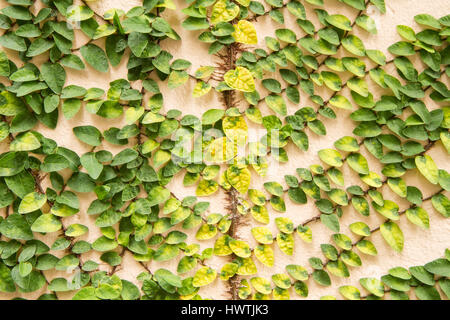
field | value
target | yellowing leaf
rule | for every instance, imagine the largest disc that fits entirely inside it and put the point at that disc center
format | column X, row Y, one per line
column 350, row 292
column 221, row 247
column 265, row 255
column 239, row 178
column 25, row 142
column 169, row 4
column 240, row 79
column 32, row 202
column 200, row 89
column 224, row 11
column 428, row 168
column 341, row 102
column 276, row 103
column 284, row 224
column 261, row 285
column 133, row 114
column 244, row 289
column 204, row 72
column 203, row 277
column 245, row 32
column 247, row 267
column 262, row 235
column 235, row 129
column 46, row 223
column 228, row 270
column 331, row 157
column 419, row 217
column 206, row 232
column 305, row 233
column 220, row 150
column 244, row 3
column 152, row 117
column 393, row 235
column 286, row 243
column 206, row 188
column 240, row 248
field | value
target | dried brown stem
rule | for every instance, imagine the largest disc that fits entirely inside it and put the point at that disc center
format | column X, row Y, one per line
column 233, row 202
column 228, row 62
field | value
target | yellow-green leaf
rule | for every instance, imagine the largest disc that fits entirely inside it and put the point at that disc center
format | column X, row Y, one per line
column 262, row 235
column 240, row 248
column 224, row 11
column 428, row 168
column 204, row 276
column 239, row 178
column 32, row 202
column 393, row 235
column 265, row 255
column 240, row 79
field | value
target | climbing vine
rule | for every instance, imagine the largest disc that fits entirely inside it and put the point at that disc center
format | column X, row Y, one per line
column 290, row 87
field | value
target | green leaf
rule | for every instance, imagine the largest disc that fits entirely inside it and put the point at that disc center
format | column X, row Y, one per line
column 95, row 56
column 427, row 20
column 71, row 107
column 13, row 42
column 354, row 45
column 418, row 216
column 331, row 221
column 92, row 165
column 88, row 134
column 332, row 80
column 193, row 23
column 286, row 35
column 406, row 32
column 16, row 227
column 339, row 21
column 6, row 281
column 358, row 163
column 39, row 46
column 321, row 277
column 439, row 267
column 212, row 116
column 54, row 75
column 402, row 48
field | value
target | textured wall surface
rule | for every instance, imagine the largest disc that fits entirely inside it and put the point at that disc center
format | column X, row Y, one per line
column 421, row 246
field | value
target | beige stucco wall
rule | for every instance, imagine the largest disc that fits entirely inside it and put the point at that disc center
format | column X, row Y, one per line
column 421, row 246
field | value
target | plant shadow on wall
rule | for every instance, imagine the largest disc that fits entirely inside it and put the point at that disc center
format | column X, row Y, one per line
column 134, row 212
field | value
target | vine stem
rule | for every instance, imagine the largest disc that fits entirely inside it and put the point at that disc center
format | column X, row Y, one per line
column 232, row 232
column 228, row 62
